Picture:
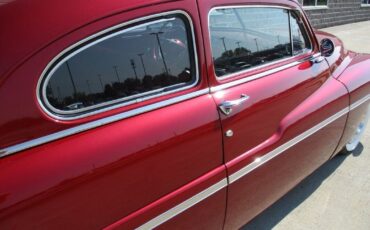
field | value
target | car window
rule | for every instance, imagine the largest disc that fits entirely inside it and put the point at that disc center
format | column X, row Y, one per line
column 246, row 37
column 141, row 61
column 299, row 36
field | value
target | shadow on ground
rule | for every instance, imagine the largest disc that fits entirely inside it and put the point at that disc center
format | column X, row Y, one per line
column 274, row 214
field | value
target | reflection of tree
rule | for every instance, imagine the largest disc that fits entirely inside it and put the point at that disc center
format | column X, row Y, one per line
column 241, row 51
column 148, row 82
column 227, row 53
column 129, row 87
column 241, row 58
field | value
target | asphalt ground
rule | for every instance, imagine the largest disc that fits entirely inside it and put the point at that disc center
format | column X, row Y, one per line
column 337, row 195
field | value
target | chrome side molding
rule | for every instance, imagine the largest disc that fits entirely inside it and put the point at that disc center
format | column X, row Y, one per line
column 155, row 222
column 267, row 157
column 97, row 123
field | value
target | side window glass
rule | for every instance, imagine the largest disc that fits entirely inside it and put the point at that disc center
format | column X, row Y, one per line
column 246, row 37
column 299, row 36
column 144, row 60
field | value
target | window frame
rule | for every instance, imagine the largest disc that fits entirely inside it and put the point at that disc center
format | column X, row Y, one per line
column 103, row 35
column 367, row 4
column 263, row 66
column 315, row 7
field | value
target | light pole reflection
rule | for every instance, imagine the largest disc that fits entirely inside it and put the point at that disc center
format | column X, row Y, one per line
column 223, row 42
column 257, row 44
column 115, row 70
column 133, row 67
column 142, row 63
column 101, row 82
column 160, row 49
column 71, row 77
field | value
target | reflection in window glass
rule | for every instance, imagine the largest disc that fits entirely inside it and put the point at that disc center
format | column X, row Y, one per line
column 140, row 61
column 242, row 38
column 315, row 2
column 309, row 2
column 322, row 2
column 300, row 38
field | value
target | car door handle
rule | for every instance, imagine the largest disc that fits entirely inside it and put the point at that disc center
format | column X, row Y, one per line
column 318, row 59
column 226, row 106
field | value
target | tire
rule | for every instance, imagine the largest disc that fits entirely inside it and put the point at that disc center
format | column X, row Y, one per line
column 359, row 133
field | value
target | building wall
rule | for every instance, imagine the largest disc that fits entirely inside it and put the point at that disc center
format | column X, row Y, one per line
column 338, row 12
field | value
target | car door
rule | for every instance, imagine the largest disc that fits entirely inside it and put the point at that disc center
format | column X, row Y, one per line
column 120, row 123
column 282, row 113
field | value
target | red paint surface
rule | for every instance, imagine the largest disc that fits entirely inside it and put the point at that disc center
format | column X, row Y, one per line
column 93, row 179
column 23, row 119
column 128, row 172
column 266, row 184
column 356, row 78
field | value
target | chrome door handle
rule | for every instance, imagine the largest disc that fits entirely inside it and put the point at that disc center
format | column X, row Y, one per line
column 318, row 59
column 226, row 106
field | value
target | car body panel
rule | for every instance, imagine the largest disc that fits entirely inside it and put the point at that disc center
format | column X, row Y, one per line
column 111, row 167
column 356, row 78
column 353, row 70
column 24, row 119
column 297, row 98
column 266, row 183
column 101, row 166
column 165, row 162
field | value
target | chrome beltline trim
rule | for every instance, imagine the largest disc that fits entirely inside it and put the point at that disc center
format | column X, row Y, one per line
column 184, row 205
column 262, row 74
column 360, row 102
column 94, row 124
column 265, row 158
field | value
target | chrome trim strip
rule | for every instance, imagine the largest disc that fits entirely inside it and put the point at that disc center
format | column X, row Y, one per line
column 155, row 222
column 99, row 108
column 262, row 74
column 94, row 124
column 267, row 157
column 360, row 102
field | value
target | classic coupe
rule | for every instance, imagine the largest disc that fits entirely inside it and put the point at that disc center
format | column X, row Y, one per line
column 168, row 114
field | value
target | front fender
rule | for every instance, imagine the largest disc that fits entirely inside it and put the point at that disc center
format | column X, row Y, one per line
column 356, row 78
column 341, row 58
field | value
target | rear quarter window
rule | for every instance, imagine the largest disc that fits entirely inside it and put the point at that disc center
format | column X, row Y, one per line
column 131, row 64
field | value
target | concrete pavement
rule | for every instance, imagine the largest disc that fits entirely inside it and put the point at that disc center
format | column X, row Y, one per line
column 337, row 195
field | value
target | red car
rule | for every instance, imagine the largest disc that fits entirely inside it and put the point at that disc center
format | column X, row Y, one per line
column 167, row 114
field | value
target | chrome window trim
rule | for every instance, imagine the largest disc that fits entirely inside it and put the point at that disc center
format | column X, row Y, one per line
column 262, row 74
column 109, row 105
column 307, row 32
column 231, row 75
column 97, row 123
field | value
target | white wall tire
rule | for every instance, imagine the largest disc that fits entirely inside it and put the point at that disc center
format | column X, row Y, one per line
column 360, row 130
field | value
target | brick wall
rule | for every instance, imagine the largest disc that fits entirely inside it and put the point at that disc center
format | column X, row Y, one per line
column 338, row 12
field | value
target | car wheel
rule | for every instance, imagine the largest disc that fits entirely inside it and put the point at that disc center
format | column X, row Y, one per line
column 356, row 138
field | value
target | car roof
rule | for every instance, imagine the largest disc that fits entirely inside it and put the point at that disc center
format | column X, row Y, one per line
column 28, row 26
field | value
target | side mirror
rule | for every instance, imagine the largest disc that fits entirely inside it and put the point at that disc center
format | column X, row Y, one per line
column 326, row 47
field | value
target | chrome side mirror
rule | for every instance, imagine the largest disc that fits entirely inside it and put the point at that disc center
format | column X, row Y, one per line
column 326, row 47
